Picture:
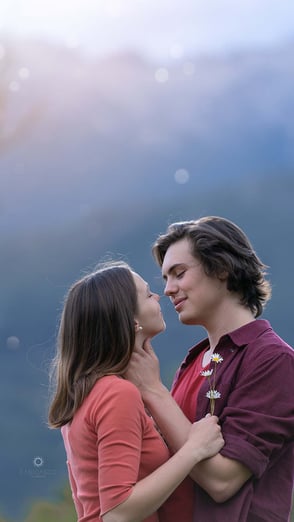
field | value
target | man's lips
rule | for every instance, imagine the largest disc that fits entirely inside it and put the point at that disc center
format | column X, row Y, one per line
column 178, row 303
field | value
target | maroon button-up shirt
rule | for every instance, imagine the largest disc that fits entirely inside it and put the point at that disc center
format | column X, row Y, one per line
column 256, row 412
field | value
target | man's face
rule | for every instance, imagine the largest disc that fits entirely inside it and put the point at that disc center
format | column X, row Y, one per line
column 195, row 296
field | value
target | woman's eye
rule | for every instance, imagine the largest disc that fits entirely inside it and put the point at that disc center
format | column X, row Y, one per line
column 180, row 274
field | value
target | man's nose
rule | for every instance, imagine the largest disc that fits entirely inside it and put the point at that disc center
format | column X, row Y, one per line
column 170, row 288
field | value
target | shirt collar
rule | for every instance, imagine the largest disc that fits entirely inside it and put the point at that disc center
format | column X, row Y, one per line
column 249, row 332
column 240, row 337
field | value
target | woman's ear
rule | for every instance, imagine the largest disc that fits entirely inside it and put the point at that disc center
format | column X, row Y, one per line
column 138, row 328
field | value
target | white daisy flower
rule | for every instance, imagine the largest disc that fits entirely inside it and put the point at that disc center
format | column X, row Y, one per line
column 213, row 394
column 217, row 358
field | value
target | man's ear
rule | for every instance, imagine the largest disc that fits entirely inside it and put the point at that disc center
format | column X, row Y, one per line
column 223, row 276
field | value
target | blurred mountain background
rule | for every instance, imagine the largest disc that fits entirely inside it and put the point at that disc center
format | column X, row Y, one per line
column 98, row 154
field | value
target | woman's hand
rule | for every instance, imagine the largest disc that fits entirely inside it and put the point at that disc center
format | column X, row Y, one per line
column 205, row 437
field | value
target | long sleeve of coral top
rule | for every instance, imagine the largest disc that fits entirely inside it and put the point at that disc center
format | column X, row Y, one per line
column 111, row 444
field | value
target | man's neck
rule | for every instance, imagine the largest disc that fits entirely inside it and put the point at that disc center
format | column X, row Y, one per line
column 232, row 317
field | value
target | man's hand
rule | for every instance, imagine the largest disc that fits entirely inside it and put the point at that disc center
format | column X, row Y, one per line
column 143, row 369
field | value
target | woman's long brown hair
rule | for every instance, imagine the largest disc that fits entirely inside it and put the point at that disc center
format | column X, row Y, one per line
column 96, row 337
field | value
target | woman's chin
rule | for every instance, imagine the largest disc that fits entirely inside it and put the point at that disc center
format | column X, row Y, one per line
column 158, row 331
column 162, row 329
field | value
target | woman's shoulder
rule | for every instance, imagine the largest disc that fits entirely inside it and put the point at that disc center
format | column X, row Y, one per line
column 113, row 395
column 114, row 385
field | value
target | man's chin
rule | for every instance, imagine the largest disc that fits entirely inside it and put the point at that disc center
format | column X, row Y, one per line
column 185, row 319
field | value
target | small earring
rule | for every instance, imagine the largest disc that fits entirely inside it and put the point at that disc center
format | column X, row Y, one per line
column 140, row 327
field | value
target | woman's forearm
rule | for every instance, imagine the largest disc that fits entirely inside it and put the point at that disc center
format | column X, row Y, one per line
column 203, row 440
column 152, row 491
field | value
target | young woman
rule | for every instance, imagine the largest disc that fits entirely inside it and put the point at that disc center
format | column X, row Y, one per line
column 120, row 468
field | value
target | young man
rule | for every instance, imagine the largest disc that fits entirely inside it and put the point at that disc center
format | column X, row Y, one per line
column 242, row 371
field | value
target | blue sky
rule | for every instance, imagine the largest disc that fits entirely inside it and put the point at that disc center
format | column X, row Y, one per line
column 163, row 29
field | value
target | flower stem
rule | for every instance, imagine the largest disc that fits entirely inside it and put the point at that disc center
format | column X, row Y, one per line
column 212, row 403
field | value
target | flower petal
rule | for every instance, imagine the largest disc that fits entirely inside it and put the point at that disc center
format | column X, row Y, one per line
column 217, row 358
column 206, row 373
column 213, row 394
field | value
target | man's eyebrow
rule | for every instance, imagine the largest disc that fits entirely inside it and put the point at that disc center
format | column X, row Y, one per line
column 172, row 269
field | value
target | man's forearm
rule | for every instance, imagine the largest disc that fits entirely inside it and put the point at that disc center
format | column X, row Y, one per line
column 218, row 476
column 173, row 424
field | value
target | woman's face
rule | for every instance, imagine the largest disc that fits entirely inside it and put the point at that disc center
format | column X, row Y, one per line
column 149, row 315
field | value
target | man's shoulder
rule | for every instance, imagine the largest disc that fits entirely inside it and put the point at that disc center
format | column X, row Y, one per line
column 270, row 340
column 260, row 334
